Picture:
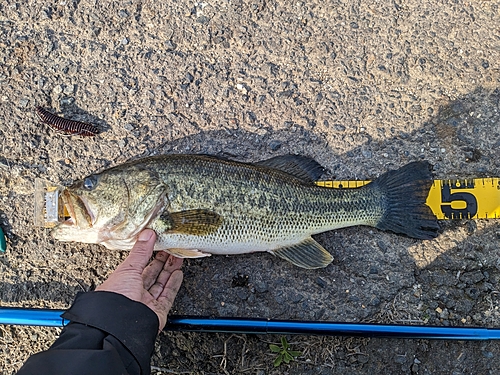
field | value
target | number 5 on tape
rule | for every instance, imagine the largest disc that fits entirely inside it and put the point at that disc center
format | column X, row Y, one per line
column 477, row 198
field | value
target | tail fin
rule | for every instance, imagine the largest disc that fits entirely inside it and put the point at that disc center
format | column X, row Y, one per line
column 405, row 191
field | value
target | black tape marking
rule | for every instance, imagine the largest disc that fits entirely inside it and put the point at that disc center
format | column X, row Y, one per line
column 448, row 197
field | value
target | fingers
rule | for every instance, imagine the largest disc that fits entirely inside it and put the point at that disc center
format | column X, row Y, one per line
column 141, row 252
column 167, row 296
column 171, row 265
column 154, row 268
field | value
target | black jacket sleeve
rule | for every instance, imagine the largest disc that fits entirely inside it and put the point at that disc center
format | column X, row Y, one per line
column 108, row 334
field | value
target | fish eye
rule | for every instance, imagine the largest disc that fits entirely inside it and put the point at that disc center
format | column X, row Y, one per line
column 90, row 182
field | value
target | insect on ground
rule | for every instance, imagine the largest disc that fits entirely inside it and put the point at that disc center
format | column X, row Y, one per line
column 66, row 126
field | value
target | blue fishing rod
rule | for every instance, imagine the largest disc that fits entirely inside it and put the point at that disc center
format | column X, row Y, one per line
column 179, row 323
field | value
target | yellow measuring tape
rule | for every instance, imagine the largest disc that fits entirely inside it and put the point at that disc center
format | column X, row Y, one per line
column 477, row 198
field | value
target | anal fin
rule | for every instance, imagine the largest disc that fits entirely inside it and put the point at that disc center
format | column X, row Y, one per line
column 187, row 253
column 306, row 254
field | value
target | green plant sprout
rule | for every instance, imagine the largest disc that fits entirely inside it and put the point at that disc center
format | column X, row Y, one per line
column 284, row 353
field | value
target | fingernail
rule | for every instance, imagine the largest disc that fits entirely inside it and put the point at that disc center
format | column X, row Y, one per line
column 145, row 235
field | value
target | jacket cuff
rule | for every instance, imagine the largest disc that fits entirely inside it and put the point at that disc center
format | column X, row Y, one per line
column 133, row 323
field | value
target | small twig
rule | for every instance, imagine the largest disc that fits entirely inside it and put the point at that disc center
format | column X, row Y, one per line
column 409, row 321
column 361, row 353
column 168, row 371
column 253, row 368
column 243, row 353
column 223, row 362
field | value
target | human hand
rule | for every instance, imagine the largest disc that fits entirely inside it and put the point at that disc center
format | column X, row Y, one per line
column 155, row 285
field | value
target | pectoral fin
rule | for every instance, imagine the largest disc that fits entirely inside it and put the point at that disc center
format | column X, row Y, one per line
column 306, row 254
column 195, row 222
column 187, row 253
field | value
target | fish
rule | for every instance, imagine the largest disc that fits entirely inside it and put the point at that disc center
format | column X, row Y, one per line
column 200, row 205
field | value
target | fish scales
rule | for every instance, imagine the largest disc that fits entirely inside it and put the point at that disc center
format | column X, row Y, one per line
column 201, row 205
column 259, row 205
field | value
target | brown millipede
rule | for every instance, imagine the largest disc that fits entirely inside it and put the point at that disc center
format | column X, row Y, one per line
column 66, row 126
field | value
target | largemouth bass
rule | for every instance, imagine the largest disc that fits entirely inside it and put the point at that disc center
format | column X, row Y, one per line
column 201, row 205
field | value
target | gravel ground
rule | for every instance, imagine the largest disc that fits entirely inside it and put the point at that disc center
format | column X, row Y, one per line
column 360, row 86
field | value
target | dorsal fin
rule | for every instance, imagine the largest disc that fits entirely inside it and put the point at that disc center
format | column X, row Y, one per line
column 302, row 167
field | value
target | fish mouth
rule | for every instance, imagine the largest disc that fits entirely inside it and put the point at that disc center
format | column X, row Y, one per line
column 79, row 212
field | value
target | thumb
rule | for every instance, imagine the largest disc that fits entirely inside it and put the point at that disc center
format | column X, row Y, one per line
column 141, row 252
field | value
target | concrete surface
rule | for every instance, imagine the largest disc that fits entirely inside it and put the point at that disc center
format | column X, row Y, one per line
column 361, row 86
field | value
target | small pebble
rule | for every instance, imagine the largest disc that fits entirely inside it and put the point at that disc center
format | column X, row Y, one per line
column 322, row 283
column 488, row 355
column 382, row 245
column 242, row 293
column 67, row 101
column 261, row 287
column 280, row 299
column 45, row 15
column 275, row 145
column 444, row 314
column 58, row 89
column 400, row 359
column 363, row 359
column 242, row 88
column 203, row 20
column 170, row 45
column 366, row 153
column 189, row 77
column 68, row 90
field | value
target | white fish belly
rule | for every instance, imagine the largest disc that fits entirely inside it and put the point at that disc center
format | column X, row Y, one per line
column 214, row 244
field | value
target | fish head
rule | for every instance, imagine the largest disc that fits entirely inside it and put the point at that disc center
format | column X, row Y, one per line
column 112, row 205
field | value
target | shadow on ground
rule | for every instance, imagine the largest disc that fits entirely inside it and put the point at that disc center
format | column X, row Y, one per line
column 376, row 276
